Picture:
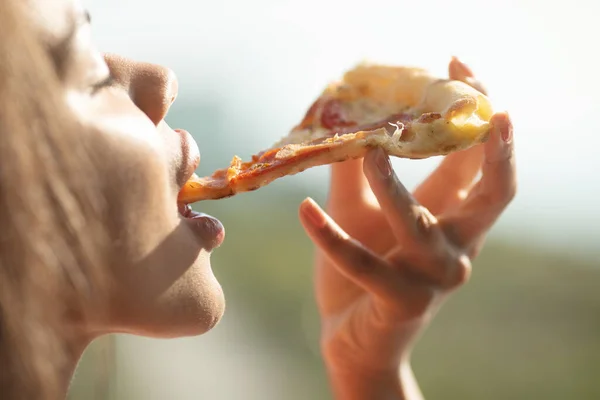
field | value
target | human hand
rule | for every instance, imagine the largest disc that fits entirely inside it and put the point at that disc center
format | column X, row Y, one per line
column 387, row 259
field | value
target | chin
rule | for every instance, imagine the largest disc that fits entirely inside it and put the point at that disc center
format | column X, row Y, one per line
column 192, row 306
column 190, row 318
column 206, row 315
column 194, row 313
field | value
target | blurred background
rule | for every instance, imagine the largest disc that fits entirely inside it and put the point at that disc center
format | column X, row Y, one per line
column 527, row 326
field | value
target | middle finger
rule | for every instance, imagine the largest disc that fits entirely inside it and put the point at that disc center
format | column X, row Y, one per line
column 412, row 224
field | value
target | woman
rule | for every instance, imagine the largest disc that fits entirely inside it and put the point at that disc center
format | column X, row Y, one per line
column 92, row 241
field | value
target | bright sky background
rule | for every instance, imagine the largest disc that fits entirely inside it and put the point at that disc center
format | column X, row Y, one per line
column 268, row 59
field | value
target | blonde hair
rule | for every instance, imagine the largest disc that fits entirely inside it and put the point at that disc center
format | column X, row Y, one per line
column 51, row 232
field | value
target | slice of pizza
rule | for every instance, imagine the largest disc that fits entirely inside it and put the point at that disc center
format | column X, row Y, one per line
column 405, row 111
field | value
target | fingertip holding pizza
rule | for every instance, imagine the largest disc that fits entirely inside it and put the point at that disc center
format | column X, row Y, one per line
column 500, row 149
column 504, row 124
column 405, row 111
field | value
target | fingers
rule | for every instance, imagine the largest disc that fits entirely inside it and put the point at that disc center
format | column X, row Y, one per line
column 455, row 175
column 451, row 181
column 353, row 260
column 421, row 240
column 394, row 283
column 416, row 230
column 411, row 224
column 494, row 191
column 448, row 185
column 459, row 71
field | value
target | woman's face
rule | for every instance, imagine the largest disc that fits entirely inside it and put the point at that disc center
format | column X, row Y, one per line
column 165, row 285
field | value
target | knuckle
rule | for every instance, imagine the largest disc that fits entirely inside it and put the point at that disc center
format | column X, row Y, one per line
column 335, row 238
column 499, row 196
column 460, row 272
column 425, row 222
column 474, row 250
column 457, row 270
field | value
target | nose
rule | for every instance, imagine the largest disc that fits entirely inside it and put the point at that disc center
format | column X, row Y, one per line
column 152, row 88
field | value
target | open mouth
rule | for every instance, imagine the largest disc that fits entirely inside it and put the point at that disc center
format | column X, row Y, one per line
column 209, row 229
column 185, row 210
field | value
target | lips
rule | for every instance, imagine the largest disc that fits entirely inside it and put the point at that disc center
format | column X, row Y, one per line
column 208, row 229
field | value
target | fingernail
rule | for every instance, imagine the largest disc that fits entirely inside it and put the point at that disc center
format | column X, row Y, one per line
column 383, row 164
column 507, row 132
column 313, row 213
column 463, row 68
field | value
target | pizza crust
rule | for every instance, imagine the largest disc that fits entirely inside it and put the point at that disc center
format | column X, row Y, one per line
column 406, row 111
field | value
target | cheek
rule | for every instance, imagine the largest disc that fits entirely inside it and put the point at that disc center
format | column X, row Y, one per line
column 114, row 113
column 164, row 284
column 131, row 156
column 134, row 175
